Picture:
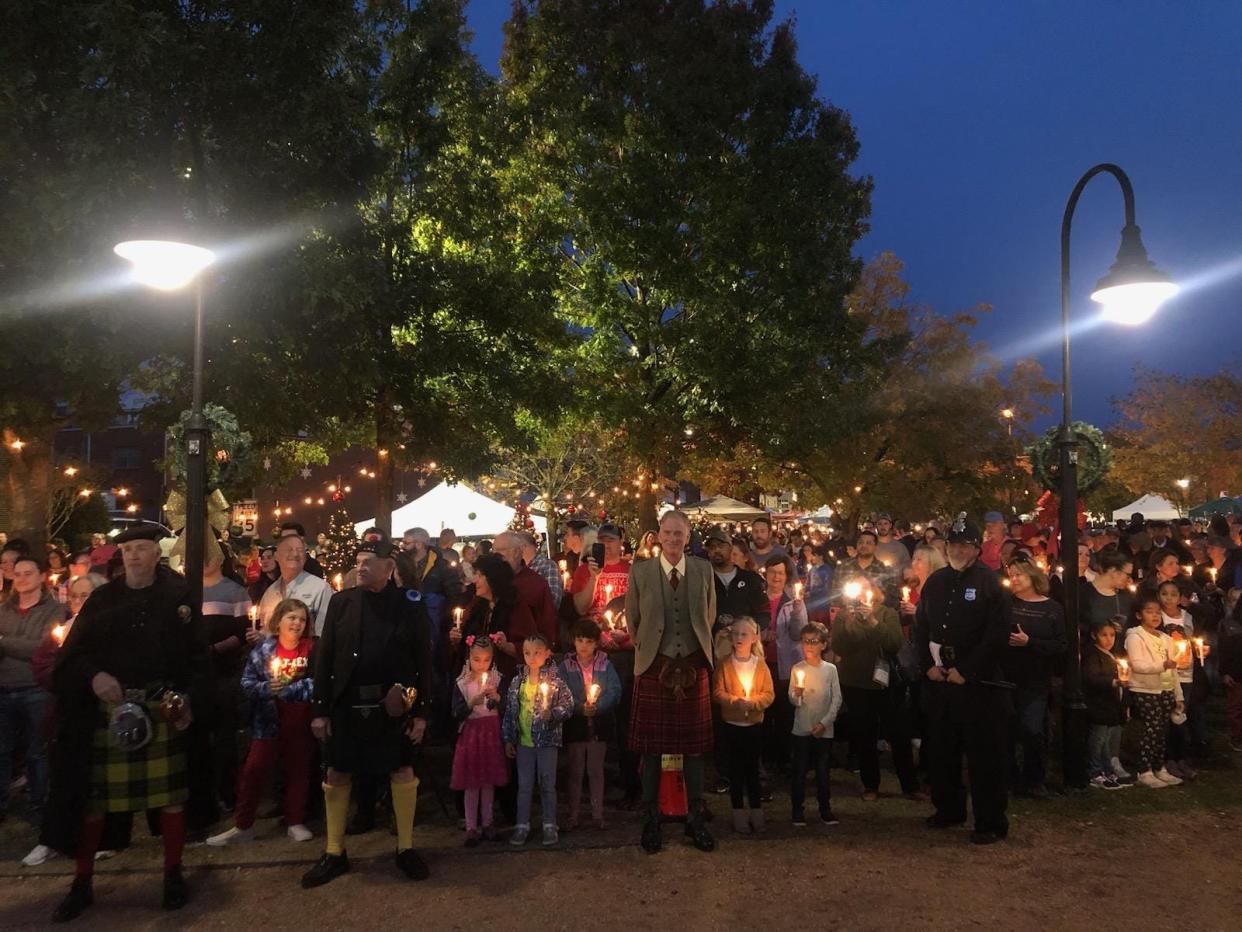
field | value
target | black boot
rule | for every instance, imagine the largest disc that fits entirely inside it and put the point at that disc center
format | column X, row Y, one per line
column 652, row 840
column 79, row 897
column 176, row 893
column 327, row 868
column 412, row 865
column 696, row 829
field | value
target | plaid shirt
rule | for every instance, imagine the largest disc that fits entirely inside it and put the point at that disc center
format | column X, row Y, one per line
column 547, row 569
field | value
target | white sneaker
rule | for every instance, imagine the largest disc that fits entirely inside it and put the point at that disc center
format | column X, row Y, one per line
column 1165, row 777
column 38, row 854
column 231, row 836
column 1151, row 781
column 105, row 854
column 1118, row 771
column 299, row 833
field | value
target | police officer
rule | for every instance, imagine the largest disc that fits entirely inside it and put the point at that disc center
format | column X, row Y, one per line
column 961, row 629
column 128, row 680
column 372, row 686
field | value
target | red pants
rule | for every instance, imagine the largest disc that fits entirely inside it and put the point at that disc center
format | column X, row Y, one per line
column 1233, row 704
column 293, row 747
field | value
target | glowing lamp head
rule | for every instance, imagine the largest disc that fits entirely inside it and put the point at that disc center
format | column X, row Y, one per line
column 162, row 264
column 1134, row 288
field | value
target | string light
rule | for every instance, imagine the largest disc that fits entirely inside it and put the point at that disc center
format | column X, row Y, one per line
column 71, row 471
column 307, row 500
column 132, row 508
column 85, row 493
column 122, row 492
column 17, row 445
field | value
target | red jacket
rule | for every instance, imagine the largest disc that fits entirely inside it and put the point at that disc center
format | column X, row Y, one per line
column 533, row 592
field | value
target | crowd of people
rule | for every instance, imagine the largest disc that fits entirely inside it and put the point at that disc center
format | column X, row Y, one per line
column 744, row 650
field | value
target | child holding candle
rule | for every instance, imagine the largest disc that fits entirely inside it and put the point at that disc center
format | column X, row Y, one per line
column 277, row 681
column 537, row 703
column 742, row 687
column 478, row 759
column 596, row 689
column 1104, row 678
column 1154, row 690
column 1177, row 622
column 815, row 691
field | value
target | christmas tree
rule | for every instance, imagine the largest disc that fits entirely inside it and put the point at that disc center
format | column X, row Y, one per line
column 337, row 554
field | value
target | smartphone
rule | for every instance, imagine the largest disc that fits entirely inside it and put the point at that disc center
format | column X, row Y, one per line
column 597, row 554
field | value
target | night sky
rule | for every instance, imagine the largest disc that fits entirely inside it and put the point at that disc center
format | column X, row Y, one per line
column 977, row 118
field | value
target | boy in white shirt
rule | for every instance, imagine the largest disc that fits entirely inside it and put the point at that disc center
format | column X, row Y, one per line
column 815, row 691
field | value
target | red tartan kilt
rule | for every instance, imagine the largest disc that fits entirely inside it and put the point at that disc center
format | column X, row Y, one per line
column 662, row 724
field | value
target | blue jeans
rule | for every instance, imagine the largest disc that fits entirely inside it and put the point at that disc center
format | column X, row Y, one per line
column 1030, row 718
column 1103, row 744
column 532, row 763
column 23, row 711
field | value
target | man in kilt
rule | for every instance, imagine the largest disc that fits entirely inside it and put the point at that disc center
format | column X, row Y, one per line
column 670, row 606
column 127, row 679
column 372, row 698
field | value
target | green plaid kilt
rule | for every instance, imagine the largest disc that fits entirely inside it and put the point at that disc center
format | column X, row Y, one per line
column 150, row 778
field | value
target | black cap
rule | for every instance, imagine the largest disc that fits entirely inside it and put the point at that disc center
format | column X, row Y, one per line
column 377, row 546
column 375, row 533
column 144, row 530
column 964, row 531
column 610, row 530
column 716, row 532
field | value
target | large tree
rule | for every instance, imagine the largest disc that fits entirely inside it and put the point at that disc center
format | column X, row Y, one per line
column 1180, row 427
column 911, row 421
column 692, row 189
column 228, row 121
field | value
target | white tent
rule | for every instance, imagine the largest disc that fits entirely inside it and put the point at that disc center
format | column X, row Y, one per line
column 469, row 513
column 723, row 508
column 1150, row 506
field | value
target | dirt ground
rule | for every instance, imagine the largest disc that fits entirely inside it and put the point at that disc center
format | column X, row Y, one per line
column 1070, row 863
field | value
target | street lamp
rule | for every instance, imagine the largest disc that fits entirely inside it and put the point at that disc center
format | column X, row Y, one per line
column 1129, row 294
column 1184, row 485
column 169, row 266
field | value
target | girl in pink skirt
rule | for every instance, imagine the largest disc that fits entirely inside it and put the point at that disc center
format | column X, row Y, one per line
column 479, row 764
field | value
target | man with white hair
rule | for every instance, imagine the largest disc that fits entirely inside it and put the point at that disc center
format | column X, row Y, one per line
column 532, row 589
column 534, row 557
column 296, row 583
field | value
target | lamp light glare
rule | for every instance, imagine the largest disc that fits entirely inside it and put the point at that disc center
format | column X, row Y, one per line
column 162, row 264
column 1134, row 303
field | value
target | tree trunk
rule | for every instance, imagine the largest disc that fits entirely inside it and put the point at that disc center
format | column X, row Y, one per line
column 385, row 443
column 550, row 540
column 648, row 502
column 28, row 485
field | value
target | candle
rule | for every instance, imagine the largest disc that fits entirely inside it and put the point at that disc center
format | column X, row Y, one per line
column 563, row 565
column 655, row 550
column 565, row 579
column 543, row 693
column 608, row 620
column 905, row 593
column 58, row 634
column 1132, row 587
column 1212, row 573
column 457, row 614
column 275, row 667
column 254, row 617
column 608, row 592
column 1123, row 669
column 1181, row 650
column 54, row 579
column 1187, row 569
column 797, row 590
column 338, row 582
column 1200, row 649
column 867, row 597
column 1006, row 583
column 483, row 682
column 801, row 677
column 593, row 693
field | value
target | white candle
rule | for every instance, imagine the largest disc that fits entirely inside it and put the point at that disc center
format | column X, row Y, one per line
column 608, row 593
column 254, row 617
column 1123, row 669
column 905, row 593
column 457, row 616
column 593, row 693
column 275, row 667
column 1200, row 649
column 797, row 590
column 1212, row 573
column 801, row 676
column 338, row 581
column 563, row 565
column 608, row 620
column 543, row 692
column 483, row 682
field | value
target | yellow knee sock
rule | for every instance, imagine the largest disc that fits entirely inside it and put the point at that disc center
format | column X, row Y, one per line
column 336, row 810
column 404, row 801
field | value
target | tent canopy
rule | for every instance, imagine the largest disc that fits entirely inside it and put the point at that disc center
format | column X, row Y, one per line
column 723, row 508
column 1220, row 506
column 469, row 513
column 1151, row 507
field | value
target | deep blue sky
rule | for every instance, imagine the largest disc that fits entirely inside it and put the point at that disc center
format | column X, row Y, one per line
column 977, row 118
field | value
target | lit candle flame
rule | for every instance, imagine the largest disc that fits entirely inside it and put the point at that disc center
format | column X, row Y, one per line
column 801, row 676
column 867, row 597
column 543, row 692
column 457, row 615
column 608, row 619
column 253, row 612
column 905, row 593
column 797, row 590
column 1212, row 573
column 483, row 682
column 338, row 582
column 853, row 590
column 58, row 633
column 1200, row 649
column 1123, row 669
column 563, row 565
column 275, row 667
column 593, row 693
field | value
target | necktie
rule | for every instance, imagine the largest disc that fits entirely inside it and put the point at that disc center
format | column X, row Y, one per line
column 673, row 578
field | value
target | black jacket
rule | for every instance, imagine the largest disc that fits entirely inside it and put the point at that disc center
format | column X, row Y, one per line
column 409, row 663
column 968, row 611
column 746, row 594
column 169, row 644
column 1105, row 702
column 1032, row 666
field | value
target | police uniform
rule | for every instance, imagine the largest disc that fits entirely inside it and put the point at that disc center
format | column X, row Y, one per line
column 963, row 623
column 372, row 642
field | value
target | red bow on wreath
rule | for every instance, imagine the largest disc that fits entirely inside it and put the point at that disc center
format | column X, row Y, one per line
column 1048, row 514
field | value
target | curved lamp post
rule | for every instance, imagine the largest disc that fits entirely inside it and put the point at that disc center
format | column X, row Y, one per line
column 169, row 266
column 1129, row 294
